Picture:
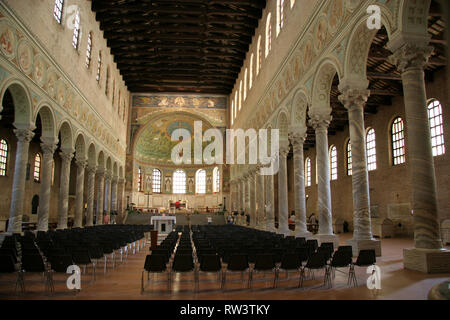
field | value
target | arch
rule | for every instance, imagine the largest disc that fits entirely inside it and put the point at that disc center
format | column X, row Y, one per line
column 283, row 125
column 101, row 159
column 120, row 172
column 114, row 169
column 108, row 164
column 92, row 158
column 65, row 131
column 413, row 16
column 200, row 181
column 268, row 35
column 22, row 103
column 80, row 146
column 47, row 120
column 357, row 50
column 299, row 109
column 322, row 82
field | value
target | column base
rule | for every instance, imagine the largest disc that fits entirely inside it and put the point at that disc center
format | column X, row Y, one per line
column 326, row 238
column 306, row 234
column 358, row 245
column 427, row 260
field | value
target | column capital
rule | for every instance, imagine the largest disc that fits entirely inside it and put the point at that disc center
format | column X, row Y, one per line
column 66, row 155
column 353, row 98
column 320, row 120
column 100, row 172
column 121, row 180
column 48, row 147
column 24, row 135
column 297, row 137
column 283, row 150
column 411, row 56
column 114, row 179
column 81, row 163
column 92, row 169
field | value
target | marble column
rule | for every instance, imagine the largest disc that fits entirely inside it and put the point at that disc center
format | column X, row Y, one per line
column 244, row 199
column 252, row 198
column 114, row 187
column 260, row 200
column 283, row 211
column 48, row 149
column 100, row 195
column 63, row 200
column 320, row 124
column 270, row 203
column 297, row 138
column 90, row 196
column 427, row 254
column 79, row 193
column 354, row 101
column 107, row 197
column 24, row 137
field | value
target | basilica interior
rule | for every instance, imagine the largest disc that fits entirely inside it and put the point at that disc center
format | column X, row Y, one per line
column 150, row 143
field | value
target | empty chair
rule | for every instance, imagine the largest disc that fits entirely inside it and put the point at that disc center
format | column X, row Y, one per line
column 60, row 263
column 326, row 251
column 81, row 257
column 302, row 253
column 108, row 250
column 237, row 263
column 209, row 263
column 290, row 262
column 35, row 264
column 365, row 258
column 347, row 249
column 155, row 263
column 7, row 265
column 263, row 263
column 341, row 259
column 312, row 246
column 96, row 253
column 317, row 261
column 183, row 263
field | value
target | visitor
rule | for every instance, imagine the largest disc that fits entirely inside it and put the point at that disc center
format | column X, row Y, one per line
column 106, row 218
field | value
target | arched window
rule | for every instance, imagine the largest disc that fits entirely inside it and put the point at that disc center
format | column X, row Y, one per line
column 200, row 181
column 398, row 141
column 308, row 172
column 371, row 150
column 348, row 153
column 139, row 180
column 3, row 157
column 245, row 84
column 156, row 181
column 250, row 79
column 107, row 81
column 89, row 50
column 37, row 168
column 436, row 127
column 53, row 172
column 235, row 104
column 76, row 31
column 179, row 181
column 258, row 55
column 232, row 112
column 333, row 163
column 240, row 95
column 292, row 3
column 268, row 34
column 280, row 16
column 58, row 9
column 216, row 179
column 99, row 66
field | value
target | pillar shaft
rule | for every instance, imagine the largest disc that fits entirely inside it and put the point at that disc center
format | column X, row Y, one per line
column 107, row 204
column 252, row 199
column 63, row 200
column 260, row 200
column 45, row 188
column 100, row 196
column 283, row 211
column 24, row 137
column 81, row 165
column 114, row 186
column 270, row 204
column 90, row 196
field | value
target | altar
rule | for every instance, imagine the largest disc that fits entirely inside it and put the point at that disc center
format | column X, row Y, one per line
column 163, row 224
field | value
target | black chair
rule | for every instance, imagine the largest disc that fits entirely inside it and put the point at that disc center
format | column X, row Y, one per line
column 317, row 261
column 237, row 263
column 108, row 250
column 302, row 253
column 290, row 262
column 263, row 263
column 341, row 259
column 183, row 263
column 35, row 264
column 60, row 263
column 82, row 257
column 366, row 258
column 209, row 263
column 155, row 263
column 312, row 245
column 7, row 265
column 347, row 249
column 326, row 251
column 96, row 253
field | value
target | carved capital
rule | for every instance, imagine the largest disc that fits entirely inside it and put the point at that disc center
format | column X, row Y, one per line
column 354, row 99
column 297, row 137
column 24, row 135
column 48, row 147
column 100, row 172
column 66, row 155
column 319, row 120
column 92, row 169
column 411, row 56
column 284, row 151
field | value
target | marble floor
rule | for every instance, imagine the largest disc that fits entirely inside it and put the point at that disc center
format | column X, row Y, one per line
column 124, row 283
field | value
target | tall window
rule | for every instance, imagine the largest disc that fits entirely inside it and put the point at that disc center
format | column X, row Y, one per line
column 235, row 104
column 99, row 66
column 250, row 79
column 232, row 112
column 268, row 35
column 258, row 55
column 76, row 31
column 57, row 10
column 200, row 181
column 216, row 179
column 156, row 177
column 348, row 153
column 292, row 3
column 179, row 181
column 107, row 81
column 3, row 157
column 245, row 84
column 139, row 182
column 333, row 163
column 436, row 127
column 89, row 50
column 308, row 172
column 37, row 168
column 280, row 15
column 240, row 95
column 371, row 150
column 398, row 141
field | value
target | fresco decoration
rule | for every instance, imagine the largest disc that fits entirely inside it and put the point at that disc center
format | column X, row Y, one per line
column 179, row 101
column 154, row 144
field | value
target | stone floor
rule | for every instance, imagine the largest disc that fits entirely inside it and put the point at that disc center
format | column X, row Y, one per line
column 124, row 283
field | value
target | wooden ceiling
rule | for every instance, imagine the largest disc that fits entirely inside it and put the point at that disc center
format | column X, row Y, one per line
column 179, row 45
